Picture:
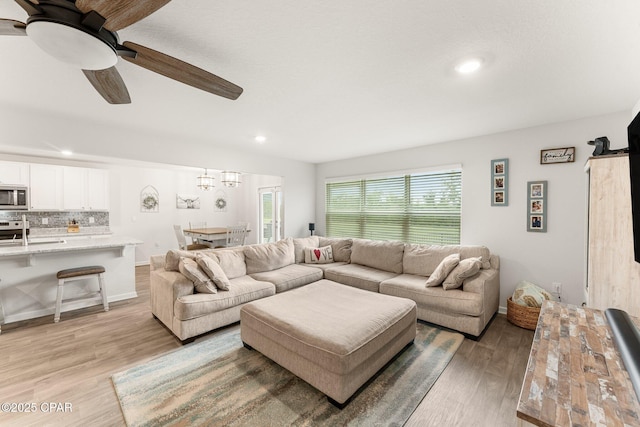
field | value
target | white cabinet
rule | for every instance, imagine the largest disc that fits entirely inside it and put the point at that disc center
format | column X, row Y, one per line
column 86, row 189
column 46, row 187
column 14, row 173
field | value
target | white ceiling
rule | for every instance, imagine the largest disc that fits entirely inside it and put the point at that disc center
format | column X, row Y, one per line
column 333, row 79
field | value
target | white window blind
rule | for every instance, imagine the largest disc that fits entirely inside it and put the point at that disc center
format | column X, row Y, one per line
column 413, row 208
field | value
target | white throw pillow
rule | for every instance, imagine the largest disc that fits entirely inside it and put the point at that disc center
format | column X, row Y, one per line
column 318, row 255
column 214, row 271
column 189, row 268
column 443, row 269
column 467, row 268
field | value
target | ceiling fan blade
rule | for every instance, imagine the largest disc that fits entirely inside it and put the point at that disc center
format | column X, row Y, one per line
column 121, row 13
column 181, row 71
column 9, row 27
column 109, row 84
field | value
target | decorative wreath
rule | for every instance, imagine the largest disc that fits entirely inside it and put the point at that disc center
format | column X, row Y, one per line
column 221, row 203
column 150, row 202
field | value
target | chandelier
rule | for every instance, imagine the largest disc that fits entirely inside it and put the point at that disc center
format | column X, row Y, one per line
column 205, row 182
column 230, row 179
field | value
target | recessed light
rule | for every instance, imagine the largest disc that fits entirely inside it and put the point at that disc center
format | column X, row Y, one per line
column 261, row 139
column 469, row 66
column 66, row 152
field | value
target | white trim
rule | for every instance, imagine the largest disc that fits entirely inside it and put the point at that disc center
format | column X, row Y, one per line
column 391, row 174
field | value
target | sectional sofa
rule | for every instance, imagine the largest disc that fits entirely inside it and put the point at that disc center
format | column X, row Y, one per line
column 194, row 292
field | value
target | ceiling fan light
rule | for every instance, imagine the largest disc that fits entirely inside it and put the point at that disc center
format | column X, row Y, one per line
column 230, row 179
column 71, row 45
column 204, row 182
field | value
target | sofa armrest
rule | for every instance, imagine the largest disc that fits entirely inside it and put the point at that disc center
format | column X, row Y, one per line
column 487, row 284
column 165, row 288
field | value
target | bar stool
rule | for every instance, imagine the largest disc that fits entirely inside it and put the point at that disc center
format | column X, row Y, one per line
column 80, row 273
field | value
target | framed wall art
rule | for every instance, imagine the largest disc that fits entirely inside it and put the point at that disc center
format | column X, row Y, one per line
column 557, row 155
column 187, row 201
column 149, row 200
column 537, row 206
column 499, row 182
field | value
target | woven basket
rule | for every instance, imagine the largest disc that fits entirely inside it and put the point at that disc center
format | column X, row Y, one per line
column 519, row 315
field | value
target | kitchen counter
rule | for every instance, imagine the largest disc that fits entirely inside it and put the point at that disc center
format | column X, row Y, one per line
column 28, row 282
column 42, row 245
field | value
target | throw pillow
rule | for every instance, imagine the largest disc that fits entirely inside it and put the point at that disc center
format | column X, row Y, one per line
column 467, row 268
column 172, row 259
column 318, row 255
column 191, row 271
column 443, row 269
column 214, row 271
column 341, row 248
column 529, row 295
column 301, row 243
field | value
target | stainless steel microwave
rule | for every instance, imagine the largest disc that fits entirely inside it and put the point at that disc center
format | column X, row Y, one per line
column 14, row 197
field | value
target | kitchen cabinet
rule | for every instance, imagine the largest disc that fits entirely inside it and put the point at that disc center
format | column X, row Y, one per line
column 613, row 276
column 86, row 189
column 46, row 187
column 14, row 173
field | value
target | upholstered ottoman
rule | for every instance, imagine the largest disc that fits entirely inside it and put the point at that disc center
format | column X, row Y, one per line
column 335, row 337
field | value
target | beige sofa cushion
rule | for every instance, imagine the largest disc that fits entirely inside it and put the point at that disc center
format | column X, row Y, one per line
column 467, row 268
column 442, row 271
column 423, row 260
column 300, row 243
column 232, row 262
column 190, row 269
column 214, row 271
column 358, row 276
column 290, row 276
column 383, row 255
column 341, row 248
column 269, row 256
column 453, row 302
column 242, row 290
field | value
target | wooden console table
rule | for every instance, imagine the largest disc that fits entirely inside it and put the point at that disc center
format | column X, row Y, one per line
column 575, row 375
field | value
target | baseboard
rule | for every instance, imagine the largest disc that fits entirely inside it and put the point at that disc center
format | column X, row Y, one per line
column 502, row 310
column 142, row 263
column 71, row 306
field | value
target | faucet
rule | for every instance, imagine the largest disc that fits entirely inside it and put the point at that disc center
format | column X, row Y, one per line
column 24, row 231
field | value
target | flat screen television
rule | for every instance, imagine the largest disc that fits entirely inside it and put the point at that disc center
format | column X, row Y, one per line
column 633, row 132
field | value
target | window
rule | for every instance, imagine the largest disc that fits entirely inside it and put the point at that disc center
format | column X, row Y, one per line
column 414, row 208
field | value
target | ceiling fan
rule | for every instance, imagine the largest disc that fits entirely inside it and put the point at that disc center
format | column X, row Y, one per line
column 83, row 33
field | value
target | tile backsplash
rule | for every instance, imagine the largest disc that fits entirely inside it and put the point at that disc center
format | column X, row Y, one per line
column 58, row 219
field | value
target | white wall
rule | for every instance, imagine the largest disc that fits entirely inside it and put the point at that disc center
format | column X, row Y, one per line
column 542, row 258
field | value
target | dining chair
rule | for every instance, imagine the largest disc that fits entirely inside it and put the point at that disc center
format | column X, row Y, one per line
column 236, row 235
column 182, row 241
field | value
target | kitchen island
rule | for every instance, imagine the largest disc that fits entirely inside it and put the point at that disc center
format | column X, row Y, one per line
column 28, row 283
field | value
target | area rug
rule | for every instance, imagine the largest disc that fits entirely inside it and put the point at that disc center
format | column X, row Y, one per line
column 218, row 382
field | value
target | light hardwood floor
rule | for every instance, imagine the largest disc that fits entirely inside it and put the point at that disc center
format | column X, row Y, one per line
column 72, row 362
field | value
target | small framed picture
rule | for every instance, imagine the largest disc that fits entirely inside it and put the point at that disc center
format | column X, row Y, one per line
column 537, row 209
column 500, row 182
column 536, row 189
column 536, row 222
column 537, row 206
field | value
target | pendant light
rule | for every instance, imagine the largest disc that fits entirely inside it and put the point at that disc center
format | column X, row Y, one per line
column 230, row 179
column 205, row 182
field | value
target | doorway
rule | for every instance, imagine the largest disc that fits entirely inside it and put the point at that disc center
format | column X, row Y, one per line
column 271, row 214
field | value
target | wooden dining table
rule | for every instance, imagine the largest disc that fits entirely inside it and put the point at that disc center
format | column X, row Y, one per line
column 209, row 235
